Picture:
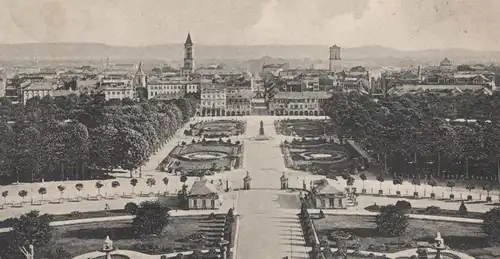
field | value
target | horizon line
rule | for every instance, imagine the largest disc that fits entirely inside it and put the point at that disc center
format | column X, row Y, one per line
column 250, row 45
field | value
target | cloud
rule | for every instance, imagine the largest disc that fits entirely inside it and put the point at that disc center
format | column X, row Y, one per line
column 405, row 24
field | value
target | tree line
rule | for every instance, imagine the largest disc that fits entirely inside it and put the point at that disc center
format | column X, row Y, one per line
column 80, row 137
column 420, row 133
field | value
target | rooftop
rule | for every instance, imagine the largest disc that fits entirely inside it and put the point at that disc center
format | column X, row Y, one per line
column 41, row 86
column 203, row 187
column 303, row 95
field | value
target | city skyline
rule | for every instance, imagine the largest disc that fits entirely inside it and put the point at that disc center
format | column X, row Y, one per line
column 404, row 25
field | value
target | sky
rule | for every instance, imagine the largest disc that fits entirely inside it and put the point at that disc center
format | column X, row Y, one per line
column 401, row 24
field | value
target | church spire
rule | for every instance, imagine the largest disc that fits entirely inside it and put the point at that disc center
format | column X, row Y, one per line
column 188, row 40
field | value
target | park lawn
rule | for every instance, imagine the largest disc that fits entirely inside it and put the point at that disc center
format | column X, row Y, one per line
column 458, row 236
column 84, row 238
column 81, row 215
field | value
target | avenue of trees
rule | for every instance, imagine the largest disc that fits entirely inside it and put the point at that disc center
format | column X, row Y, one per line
column 418, row 133
column 80, row 137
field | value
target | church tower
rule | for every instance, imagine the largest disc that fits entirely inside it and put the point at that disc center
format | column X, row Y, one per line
column 335, row 64
column 188, row 67
column 140, row 77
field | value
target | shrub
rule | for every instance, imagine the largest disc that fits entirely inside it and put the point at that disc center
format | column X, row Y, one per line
column 131, row 208
column 187, row 132
column 59, row 253
column 462, row 210
column 403, row 205
column 151, row 218
column 75, row 214
column 391, row 221
column 373, row 207
column 433, row 210
column 321, row 214
column 491, row 226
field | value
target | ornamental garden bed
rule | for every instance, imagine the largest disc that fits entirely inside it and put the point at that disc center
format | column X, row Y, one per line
column 181, row 234
column 206, row 156
column 302, row 127
column 216, row 129
column 434, row 211
column 318, row 156
column 463, row 237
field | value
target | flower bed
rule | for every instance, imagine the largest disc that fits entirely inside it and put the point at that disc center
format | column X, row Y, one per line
column 301, row 127
column 216, row 129
column 202, row 156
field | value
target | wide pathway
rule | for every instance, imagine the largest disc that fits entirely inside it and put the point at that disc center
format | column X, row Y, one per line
column 269, row 226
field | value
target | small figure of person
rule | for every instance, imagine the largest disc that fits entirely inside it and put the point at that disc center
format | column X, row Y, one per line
column 106, row 208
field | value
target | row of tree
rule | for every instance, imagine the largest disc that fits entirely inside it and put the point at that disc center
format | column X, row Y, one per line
column 79, row 137
column 414, row 132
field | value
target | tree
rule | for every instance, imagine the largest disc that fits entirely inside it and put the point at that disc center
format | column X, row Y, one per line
column 184, row 179
column 391, row 222
column 61, row 189
column 150, row 218
column 42, row 191
column 450, row 184
column 79, row 188
column 470, row 186
column 98, row 186
column 432, row 183
column 134, row 149
column 4, row 195
column 133, row 182
column 363, row 178
column 22, row 194
column 350, row 181
column 131, row 208
column 415, row 182
column 380, row 178
column 115, row 184
column 488, row 187
column 398, row 180
column 32, row 229
column 150, row 182
column 165, row 181
column 491, row 226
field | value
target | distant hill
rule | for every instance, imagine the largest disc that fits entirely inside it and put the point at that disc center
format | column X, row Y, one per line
column 307, row 54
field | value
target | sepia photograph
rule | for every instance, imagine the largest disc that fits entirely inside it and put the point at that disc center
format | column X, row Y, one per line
column 249, row 129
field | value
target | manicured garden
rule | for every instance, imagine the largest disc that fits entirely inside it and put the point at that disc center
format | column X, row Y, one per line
column 318, row 156
column 216, row 129
column 302, row 127
column 152, row 231
column 362, row 231
column 204, row 156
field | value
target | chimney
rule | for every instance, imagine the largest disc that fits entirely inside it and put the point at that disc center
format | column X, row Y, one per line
column 418, row 73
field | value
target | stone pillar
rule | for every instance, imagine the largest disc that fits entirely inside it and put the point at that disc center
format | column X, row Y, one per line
column 284, row 182
column 247, row 182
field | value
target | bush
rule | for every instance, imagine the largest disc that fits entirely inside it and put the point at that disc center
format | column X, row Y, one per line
column 59, row 253
column 491, row 226
column 373, row 207
column 391, row 221
column 433, row 210
column 151, row 218
column 188, row 132
column 462, row 210
column 131, row 208
column 403, row 205
column 75, row 214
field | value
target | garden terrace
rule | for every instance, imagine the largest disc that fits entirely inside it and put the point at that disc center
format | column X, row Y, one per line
column 181, row 234
column 216, row 129
column 302, row 128
column 316, row 155
column 204, row 155
column 362, row 231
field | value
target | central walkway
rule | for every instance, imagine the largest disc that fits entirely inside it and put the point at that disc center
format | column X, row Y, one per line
column 269, row 227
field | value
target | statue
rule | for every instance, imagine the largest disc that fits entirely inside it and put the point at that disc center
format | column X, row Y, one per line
column 108, row 244
column 261, row 129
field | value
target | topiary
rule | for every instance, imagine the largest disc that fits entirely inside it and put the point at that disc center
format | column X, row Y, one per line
column 433, row 210
column 462, row 210
column 403, row 205
column 131, row 208
column 391, row 221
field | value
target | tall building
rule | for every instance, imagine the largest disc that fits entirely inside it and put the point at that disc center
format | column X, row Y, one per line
column 188, row 67
column 335, row 64
column 140, row 77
